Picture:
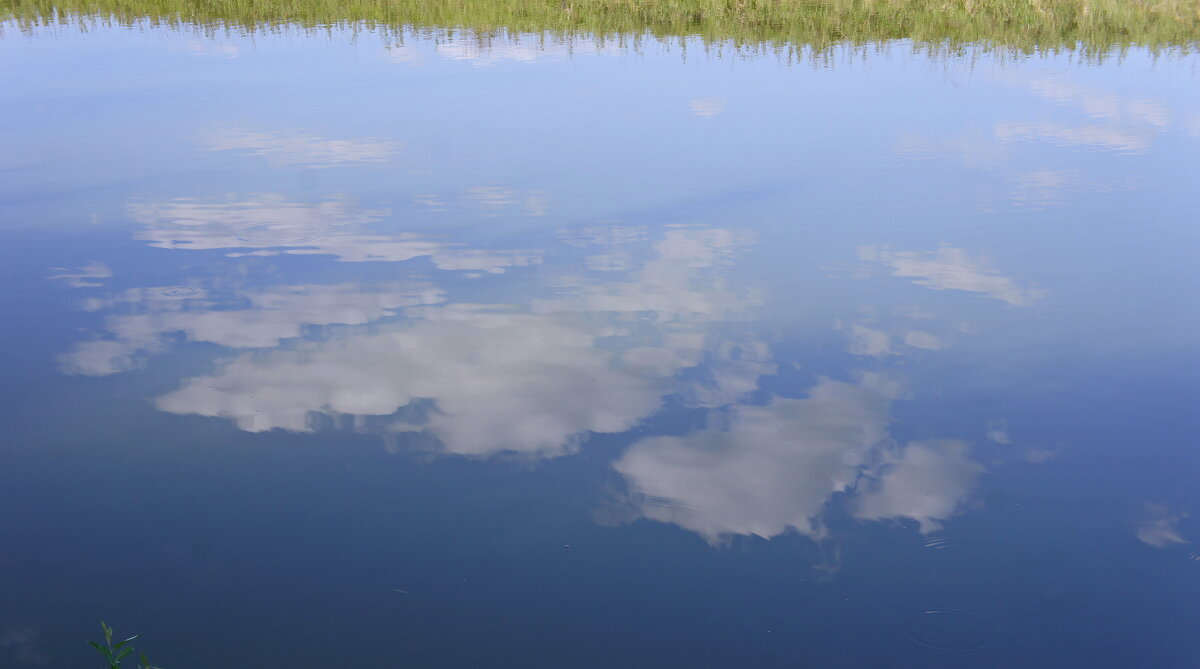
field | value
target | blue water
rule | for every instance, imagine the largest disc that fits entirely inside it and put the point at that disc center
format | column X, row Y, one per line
column 321, row 350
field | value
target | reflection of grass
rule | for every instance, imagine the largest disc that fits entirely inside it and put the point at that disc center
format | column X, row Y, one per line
column 1023, row 25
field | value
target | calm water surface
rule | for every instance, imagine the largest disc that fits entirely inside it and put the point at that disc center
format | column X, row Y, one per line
column 322, row 349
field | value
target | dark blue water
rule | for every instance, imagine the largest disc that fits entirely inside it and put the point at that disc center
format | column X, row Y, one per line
column 323, row 353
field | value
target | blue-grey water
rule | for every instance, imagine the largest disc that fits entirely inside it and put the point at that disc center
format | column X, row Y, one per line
column 328, row 349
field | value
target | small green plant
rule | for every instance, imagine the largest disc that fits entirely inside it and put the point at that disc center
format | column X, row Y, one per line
column 113, row 654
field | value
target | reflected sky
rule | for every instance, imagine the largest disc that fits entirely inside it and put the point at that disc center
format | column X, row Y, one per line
column 743, row 345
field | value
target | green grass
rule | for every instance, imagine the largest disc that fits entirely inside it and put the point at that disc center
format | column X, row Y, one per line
column 1094, row 26
column 115, row 654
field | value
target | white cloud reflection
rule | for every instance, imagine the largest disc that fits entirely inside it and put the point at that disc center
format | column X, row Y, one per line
column 502, row 381
column 767, row 470
column 772, row 469
column 868, row 341
column 211, row 47
column 493, row 198
column 485, row 379
column 271, row 316
column 301, row 150
column 667, row 287
column 924, row 481
column 1094, row 135
column 950, row 268
column 997, row 432
column 273, row 225
column 24, row 641
column 533, row 378
column 1117, row 123
column 83, row 277
column 1102, row 105
column 1158, row 527
column 616, row 242
column 490, row 52
column 707, row 107
column 920, row 339
column 1071, row 116
column 404, row 53
column 482, row 50
column 265, row 221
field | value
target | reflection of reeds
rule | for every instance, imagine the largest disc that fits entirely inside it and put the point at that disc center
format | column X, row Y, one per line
column 1095, row 26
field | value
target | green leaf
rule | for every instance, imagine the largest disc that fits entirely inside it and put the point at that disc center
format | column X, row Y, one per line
column 103, row 651
column 121, row 655
column 127, row 640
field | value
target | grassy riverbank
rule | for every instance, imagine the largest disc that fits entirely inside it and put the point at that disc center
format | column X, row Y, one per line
column 1023, row 25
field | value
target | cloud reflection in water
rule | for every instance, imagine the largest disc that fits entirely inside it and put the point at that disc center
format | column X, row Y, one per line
column 274, row 225
column 601, row 353
column 501, row 378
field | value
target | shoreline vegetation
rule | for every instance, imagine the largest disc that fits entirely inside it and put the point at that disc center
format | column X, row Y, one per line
column 1092, row 27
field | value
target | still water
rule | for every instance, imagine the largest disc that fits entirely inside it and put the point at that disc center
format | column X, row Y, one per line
column 332, row 348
